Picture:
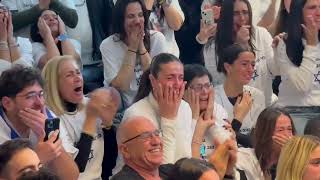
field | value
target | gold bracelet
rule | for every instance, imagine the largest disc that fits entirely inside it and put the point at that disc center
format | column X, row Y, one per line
column 106, row 127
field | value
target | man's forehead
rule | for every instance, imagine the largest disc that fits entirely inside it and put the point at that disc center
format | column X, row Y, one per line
column 35, row 87
column 140, row 124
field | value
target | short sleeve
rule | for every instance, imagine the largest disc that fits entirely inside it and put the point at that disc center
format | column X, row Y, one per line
column 69, row 3
column 158, row 43
column 38, row 50
column 176, row 4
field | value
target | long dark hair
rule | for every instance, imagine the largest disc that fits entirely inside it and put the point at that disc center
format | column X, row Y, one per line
column 192, row 71
column 294, row 45
column 35, row 35
column 189, row 169
column 263, row 132
column 154, row 69
column 282, row 20
column 225, row 33
column 119, row 18
column 231, row 53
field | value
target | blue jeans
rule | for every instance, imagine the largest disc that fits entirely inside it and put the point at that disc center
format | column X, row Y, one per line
column 92, row 77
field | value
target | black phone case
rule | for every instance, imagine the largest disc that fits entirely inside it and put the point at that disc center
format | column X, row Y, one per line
column 50, row 126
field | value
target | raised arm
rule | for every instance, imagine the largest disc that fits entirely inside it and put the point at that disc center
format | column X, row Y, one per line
column 173, row 14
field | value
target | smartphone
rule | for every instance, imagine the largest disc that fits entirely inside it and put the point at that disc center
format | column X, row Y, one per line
column 207, row 16
column 50, row 126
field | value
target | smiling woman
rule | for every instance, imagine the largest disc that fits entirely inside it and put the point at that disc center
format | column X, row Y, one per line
column 127, row 53
column 235, row 26
column 238, row 67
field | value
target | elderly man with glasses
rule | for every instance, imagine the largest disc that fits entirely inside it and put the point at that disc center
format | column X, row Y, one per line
column 140, row 144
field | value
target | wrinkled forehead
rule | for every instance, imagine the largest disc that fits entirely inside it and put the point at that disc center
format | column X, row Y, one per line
column 138, row 125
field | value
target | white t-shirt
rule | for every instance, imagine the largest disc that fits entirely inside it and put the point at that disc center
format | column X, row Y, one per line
column 162, row 26
column 113, row 52
column 261, row 78
column 300, row 86
column 83, row 32
column 26, row 58
column 248, row 162
column 38, row 50
column 71, row 128
column 176, row 134
column 207, row 146
column 250, row 119
column 8, row 132
column 21, row 5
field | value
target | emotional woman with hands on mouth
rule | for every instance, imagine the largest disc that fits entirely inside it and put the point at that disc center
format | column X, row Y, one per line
column 235, row 26
column 297, row 56
column 127, row 53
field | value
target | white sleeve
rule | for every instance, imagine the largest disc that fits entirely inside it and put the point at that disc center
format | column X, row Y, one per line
column 77, row 46
column 25, row 48
column 268, row 50
column 301, row 77
column 168, row 139
column 4, row 65
column 12, row 5
column 69, row 3
column 111, row 63
column 176, row 5
column 157, row 43
column 38, row 50
column 67, row 142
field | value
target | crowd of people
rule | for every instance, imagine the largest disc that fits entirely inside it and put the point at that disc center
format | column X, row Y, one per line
column 158, row 89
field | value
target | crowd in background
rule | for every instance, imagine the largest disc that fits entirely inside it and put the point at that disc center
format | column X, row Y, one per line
column 158, row 89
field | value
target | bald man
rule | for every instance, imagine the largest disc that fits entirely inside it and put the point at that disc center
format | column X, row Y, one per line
column 140, row 144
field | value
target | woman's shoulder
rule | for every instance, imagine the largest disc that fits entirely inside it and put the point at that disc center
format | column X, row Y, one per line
column 114, row 38
column 156, row 34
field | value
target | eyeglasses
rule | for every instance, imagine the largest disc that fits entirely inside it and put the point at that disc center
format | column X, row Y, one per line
column 146, row 135
column 199, row 87
column 33, row 95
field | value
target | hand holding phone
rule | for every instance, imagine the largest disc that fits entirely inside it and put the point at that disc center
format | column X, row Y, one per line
column 208, row 16
column 50, row 126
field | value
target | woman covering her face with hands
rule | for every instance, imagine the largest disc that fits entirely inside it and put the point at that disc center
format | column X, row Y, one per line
column 50, row 39
column 10, row 50
column 127, row 53
column 273, row 130
column 297, row 56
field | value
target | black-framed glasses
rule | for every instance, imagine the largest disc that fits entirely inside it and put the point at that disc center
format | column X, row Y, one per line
column 199, row 87
column 146, row 135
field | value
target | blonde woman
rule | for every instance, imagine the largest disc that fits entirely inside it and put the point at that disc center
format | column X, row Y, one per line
column 300, row 159
column 85, row 123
